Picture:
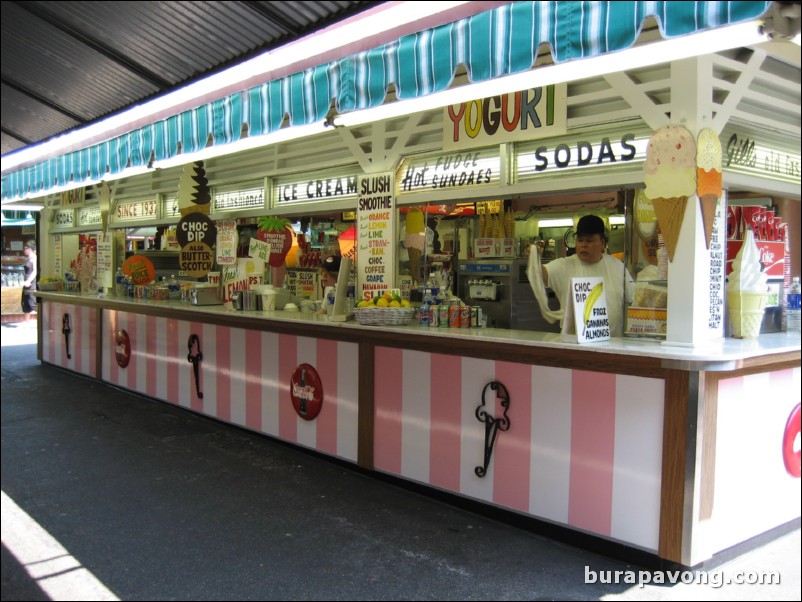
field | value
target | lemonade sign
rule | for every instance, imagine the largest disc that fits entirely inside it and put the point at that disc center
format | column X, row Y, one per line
column 240, row 277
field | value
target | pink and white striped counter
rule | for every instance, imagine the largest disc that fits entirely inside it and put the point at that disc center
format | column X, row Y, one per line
column 674, row 451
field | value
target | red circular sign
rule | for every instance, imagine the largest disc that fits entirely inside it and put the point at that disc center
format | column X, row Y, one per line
column 792, row 457
column 140, row 269
column 122, row 348
column 306, row 392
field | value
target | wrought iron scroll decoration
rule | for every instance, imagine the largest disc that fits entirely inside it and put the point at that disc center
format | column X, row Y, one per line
column 492, row 425
column 195, row 360
column 66, row 329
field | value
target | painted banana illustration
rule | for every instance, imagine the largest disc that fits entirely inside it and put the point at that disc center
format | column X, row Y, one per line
column 594, row 295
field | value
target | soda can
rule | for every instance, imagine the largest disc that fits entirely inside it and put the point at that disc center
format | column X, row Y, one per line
column 475, row 316
column 434, row 315
column 424, row 315
column 465, row 316
column 444, row 316
column 453, row 316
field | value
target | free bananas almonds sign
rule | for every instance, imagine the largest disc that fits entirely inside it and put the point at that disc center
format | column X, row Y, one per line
column 589, row 304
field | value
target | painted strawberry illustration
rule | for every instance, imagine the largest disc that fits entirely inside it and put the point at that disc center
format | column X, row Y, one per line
column 277, row 232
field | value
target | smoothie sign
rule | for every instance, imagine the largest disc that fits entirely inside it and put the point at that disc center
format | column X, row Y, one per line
column 376, row 226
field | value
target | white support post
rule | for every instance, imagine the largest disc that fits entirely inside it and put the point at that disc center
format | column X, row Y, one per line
column 689, row 272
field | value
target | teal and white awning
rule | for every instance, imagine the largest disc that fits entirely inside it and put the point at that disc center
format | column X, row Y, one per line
column 498, row 42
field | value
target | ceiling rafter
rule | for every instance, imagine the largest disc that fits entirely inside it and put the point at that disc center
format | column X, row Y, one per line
column 271, row 15
column 127, row 62
column 14, row 135
column 42, row 100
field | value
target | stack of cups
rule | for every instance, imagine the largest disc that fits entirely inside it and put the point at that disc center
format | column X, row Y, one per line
column 662, row 258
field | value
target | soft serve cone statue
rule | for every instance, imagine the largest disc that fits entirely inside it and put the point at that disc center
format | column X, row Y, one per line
column 747, row 291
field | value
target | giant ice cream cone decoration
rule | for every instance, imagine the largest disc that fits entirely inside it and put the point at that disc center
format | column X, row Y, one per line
column 670, row 177
column 708, row 178
column 193, row 190
column 415, row 239
column 747, row 290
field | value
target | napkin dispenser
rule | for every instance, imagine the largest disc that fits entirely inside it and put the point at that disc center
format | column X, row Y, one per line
column 205, row 295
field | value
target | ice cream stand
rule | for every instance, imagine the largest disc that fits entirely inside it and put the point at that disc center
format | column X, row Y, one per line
column 634, row 442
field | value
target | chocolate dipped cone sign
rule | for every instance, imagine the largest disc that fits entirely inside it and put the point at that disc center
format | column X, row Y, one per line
column 670, row 177
column 194, row 195
column 708, row 185
column 196, row 232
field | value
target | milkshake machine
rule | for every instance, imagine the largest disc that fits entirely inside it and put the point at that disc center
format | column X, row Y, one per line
column 501, row 288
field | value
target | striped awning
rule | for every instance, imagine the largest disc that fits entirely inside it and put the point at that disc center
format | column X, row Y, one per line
column 498, row 42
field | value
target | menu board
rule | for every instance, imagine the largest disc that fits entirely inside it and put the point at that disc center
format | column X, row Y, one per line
column 377, row 226
column 58, row 270
column 718, row 265
column 105, row 261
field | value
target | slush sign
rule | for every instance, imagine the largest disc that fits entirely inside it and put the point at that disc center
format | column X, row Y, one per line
column 525, row 115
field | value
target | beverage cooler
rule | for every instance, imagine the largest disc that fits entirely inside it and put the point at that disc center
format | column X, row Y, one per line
column 501, row 288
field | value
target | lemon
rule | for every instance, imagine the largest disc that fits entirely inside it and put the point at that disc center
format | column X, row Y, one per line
column 395, row 303
column 382, row 302
column 405, row 303
column 364, row 303
column 387, row 296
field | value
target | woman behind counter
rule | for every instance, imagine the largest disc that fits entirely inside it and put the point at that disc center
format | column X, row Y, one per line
column 329, row 270
column 591, row 259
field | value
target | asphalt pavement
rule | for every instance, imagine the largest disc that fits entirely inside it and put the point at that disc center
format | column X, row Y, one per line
column 110, row 495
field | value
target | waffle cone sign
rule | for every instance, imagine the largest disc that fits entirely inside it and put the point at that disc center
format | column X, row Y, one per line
column 670, row 213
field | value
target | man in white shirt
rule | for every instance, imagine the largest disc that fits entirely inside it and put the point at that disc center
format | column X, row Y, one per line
column 591, row 259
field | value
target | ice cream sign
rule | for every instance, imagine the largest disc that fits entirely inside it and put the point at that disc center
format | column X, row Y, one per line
column 296, row 191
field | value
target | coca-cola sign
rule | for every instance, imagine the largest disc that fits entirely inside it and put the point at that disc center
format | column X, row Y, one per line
column 306, row 392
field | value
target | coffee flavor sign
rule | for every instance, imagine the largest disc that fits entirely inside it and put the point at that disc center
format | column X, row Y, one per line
column 197, row 235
